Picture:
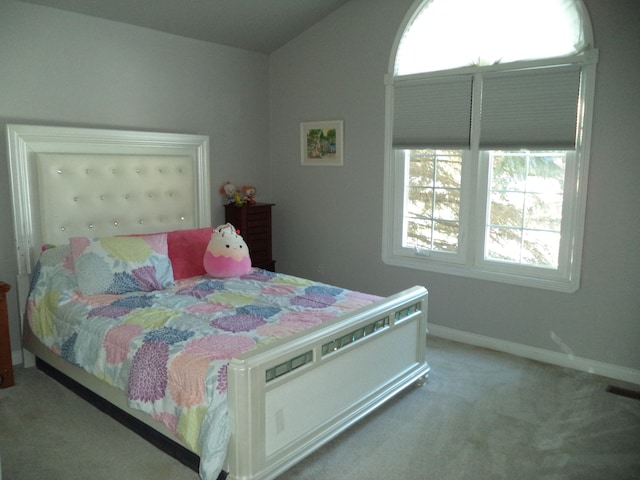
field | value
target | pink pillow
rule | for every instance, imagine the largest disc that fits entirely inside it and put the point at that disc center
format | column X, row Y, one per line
column 186, row 250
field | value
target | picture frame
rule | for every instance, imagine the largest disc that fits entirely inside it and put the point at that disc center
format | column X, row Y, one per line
column 322, row 143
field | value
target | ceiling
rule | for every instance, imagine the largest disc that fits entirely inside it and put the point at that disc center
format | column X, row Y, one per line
column 256, row 25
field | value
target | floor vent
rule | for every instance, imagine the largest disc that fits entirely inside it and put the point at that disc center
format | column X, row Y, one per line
column 624, row 392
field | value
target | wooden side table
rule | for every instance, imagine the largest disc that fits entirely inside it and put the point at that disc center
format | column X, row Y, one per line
column 6, row 365
column 254, row 223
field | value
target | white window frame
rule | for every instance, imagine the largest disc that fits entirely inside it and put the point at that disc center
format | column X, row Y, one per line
column 469, row 260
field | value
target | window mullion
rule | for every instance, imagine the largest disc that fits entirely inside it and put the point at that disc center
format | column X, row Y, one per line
column 476, row 180
column 402, row 178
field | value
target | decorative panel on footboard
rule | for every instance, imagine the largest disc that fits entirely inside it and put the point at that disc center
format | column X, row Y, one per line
column 323, row 382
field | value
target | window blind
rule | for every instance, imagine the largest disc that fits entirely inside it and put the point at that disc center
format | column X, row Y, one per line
column 432, row 113
column 535, row 108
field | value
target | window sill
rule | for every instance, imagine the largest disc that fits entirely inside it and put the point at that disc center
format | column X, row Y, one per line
column 420, row 263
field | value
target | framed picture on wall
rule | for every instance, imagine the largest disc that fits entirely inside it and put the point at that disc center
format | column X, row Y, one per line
column 321, row 143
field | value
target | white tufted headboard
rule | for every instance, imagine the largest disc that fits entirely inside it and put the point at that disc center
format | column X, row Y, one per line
column 105, row 195
column 75, row 181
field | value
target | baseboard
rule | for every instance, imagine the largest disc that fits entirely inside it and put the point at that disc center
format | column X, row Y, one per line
column 540, row 354
column 16, row 357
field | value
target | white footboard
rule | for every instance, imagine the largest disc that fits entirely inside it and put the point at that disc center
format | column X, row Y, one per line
column 287, row 400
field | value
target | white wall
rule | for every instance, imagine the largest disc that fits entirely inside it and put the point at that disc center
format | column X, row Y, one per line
column 59, row 68
column 329, row 220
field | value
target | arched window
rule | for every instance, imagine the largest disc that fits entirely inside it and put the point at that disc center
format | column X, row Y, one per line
column 488, row 127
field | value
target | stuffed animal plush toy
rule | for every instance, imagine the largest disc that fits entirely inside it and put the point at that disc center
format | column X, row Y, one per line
column 249, row 193
column 227, row 254
column 230, row 192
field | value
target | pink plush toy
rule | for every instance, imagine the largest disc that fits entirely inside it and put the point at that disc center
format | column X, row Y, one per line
column 227, row 254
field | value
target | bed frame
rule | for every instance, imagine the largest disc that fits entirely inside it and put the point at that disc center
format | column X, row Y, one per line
column 286, row 399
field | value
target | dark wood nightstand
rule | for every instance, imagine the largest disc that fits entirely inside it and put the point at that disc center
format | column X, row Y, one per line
column 6, row 365
column 254, row 223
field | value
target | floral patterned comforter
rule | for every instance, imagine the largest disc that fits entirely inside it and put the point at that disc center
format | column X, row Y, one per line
column 169, row 349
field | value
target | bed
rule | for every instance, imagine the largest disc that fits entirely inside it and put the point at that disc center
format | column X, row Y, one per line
column 293, row 362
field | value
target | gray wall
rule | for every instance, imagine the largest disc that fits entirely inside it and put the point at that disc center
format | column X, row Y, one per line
column 59, row 68
column 330, row 219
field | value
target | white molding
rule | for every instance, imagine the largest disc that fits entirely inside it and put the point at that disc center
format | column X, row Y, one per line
column 16, row 357
column 595, row 367
column 26, row 142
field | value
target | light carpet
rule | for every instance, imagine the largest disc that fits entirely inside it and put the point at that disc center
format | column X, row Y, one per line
column 482, row 415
